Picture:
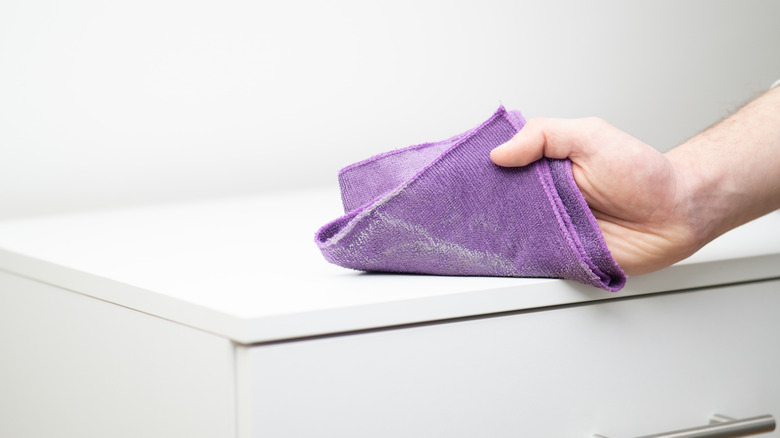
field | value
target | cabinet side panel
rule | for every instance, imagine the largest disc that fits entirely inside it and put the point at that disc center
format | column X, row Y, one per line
column 621, row 368
column 72, row 365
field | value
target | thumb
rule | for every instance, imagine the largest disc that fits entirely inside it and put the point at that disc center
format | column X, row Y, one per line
column 552, row 138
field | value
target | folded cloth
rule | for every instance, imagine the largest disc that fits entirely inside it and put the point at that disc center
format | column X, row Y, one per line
column 444, row 208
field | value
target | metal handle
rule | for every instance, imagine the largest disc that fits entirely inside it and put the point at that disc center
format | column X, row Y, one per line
column 721, row 427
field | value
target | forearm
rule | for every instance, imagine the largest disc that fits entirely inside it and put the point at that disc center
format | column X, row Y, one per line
column 730, row 174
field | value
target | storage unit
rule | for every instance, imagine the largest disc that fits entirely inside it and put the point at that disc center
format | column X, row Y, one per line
column 220, row 318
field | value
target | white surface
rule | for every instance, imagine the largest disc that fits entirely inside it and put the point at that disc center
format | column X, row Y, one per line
column 247, row 268
column 620, row 369
column 74, row 366
column 112, row 102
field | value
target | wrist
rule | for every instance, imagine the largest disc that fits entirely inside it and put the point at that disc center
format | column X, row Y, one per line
column 701, row 195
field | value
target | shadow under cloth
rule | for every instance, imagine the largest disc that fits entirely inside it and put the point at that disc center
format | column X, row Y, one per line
column 444, row 208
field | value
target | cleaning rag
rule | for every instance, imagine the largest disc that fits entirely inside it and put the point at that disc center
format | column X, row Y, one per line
column 444, row 208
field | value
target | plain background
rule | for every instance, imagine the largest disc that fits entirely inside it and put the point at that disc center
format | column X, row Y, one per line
column 111, row 103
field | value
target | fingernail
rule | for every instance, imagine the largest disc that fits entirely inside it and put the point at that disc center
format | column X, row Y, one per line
column 501, row 146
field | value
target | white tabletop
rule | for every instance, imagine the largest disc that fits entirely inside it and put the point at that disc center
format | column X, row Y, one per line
column 247, row 268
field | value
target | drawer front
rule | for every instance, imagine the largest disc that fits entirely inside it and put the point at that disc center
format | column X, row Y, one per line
column 626, row 367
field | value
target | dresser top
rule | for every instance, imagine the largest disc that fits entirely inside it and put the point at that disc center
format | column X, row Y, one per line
column 247, row 268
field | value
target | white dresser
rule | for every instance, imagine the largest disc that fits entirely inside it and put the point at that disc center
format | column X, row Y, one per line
column 221, row 319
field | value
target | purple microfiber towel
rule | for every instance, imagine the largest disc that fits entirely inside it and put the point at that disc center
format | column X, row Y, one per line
column 444, row 208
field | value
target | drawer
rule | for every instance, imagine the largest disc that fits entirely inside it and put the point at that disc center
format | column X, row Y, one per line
column 626, row 367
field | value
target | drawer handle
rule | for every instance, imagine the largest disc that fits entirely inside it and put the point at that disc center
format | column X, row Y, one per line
column 721, row 427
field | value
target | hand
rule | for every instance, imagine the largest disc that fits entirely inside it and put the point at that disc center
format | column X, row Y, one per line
column 634, row 191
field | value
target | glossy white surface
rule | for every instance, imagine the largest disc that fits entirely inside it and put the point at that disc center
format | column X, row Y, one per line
column 247, row 268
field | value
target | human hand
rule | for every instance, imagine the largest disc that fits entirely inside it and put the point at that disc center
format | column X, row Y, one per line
column 634, row 191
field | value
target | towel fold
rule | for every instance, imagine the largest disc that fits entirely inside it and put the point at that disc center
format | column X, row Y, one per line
column 444, row 208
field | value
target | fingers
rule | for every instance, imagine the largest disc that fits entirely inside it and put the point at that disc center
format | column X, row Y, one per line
column 524, row 148
column 553, row 138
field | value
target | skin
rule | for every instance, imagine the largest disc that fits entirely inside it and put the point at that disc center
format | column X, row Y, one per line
column 654, row 208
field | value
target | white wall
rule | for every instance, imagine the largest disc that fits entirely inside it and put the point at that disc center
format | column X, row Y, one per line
column 106, row 103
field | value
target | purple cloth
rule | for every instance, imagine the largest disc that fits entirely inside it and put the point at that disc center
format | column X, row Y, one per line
column 444, row 208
